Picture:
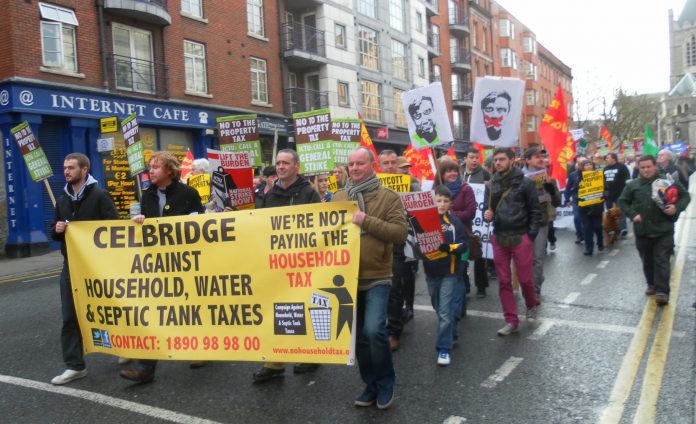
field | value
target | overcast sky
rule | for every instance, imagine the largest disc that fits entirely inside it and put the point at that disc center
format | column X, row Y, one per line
column 609, row 44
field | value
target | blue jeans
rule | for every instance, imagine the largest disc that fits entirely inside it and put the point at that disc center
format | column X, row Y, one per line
column 577, row 221
column 443, row 291
column 372, row 350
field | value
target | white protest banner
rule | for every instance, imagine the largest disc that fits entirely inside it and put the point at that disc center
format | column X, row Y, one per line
column 428, row 120
column 480, row 227
column 497, row 111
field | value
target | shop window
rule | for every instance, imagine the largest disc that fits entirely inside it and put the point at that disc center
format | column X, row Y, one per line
column 371, row 100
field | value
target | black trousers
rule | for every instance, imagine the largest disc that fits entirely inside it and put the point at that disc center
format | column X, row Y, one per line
column 655, row 253
column 70, row 336
column 401, row 270
column 480, row 274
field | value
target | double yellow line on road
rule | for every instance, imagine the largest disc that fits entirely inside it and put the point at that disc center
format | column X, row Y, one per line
column 30, row 276
column 655, row 366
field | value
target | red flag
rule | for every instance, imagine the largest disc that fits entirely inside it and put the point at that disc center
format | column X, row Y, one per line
column 186, row 165
column 606, row 136
column 422, row 162
column 482, row 151
column 556, row 138
column 366, row 141
column 451, row 154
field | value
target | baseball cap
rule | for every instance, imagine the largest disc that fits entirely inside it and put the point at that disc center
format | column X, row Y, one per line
column 530, row 152
column 402, row 162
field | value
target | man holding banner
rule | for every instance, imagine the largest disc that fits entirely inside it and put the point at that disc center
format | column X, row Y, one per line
column 290, row 189
column 166, row 196
column 83, row 201
column 383, row 224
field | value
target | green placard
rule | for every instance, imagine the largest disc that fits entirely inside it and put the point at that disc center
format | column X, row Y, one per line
column 341, row 150
column 316, row 157
column 253, row 148
column 33, row 154
column 134, row 146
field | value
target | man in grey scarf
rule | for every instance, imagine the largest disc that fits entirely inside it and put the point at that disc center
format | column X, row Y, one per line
column 382, row 224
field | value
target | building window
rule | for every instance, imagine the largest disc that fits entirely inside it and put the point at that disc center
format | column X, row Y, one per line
column 437, row 73
column 505, row 27
column 691, row 51
column 531, row 97
column 483, row 40
column 367, row 7
column 399, row 114
column 506, row 58
column 371, row 105
column 259, row 82
column 343, row 94
column 531, row 123
column 396, row 14
column 192, row 7
column 514, row 59
column 531, row 71
column 421, row 67
column 134, row 67
column 529, row 45
column 255, row 17
column 194, row 65
column 58, row 37
column 369, row 48
column 419, row 22
column 399, row 62
column 340, row 36
column 456, row 87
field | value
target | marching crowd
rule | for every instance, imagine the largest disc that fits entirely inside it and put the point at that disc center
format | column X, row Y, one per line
column 520, row 203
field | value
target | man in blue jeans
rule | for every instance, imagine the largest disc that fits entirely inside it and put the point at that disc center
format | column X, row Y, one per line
column 382, row 223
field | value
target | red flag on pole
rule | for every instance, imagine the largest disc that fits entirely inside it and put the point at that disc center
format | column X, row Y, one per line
column 186, row 165
column 451, row 154
column 422, row 162
column 607, row 136
column 366, row 141
column 556, row 138
column 482, row 151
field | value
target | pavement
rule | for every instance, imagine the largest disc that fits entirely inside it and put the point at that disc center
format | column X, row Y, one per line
column 22, row 268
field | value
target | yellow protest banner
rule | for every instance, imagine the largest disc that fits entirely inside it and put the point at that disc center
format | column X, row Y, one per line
column 400, row 183
column 276, row 284
column 591, row 188
column 201, row 182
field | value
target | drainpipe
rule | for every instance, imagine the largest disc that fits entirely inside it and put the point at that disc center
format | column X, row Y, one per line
column 102, row 44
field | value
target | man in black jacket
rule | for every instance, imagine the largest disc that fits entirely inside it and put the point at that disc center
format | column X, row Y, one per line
column 513, row 207
column 166, row 196
column 616, row 176
column 83, row 201
column 290, row 189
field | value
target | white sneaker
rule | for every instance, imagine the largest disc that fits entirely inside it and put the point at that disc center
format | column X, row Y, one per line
column 532, row 314
column 507, row 330
column 68, row 376
column 124, row 361
column 443, row 358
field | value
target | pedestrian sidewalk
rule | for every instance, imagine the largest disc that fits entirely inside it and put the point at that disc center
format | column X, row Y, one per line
column 34, row 265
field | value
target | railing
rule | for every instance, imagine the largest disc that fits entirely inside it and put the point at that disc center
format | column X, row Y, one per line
column 434, row 41
column 435, row 78
column 432, row 5
column 302, row 100
column 461, row 132
column 457, row 18
column 463, row 94
column 160, row 3
column 460, row 57
column 137, row 75
column 298, row 36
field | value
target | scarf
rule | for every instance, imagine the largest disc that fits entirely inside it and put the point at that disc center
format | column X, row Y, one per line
column 355, row 192
column 81, row 192
column 455, row 187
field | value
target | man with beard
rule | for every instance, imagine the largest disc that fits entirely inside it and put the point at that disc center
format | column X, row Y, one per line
column 83, row 201
column 423, row 115
column 513, row 207
column 495, row 107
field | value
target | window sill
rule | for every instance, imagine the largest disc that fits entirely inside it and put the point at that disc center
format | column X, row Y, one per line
column 262, row 104
column 59, row 71
column 194, row 17
column 198, row 94
column 258, row 37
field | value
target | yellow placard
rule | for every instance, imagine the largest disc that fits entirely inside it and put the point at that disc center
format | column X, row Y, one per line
column 108, row 125
column 591, row 188
column 276, row 284
column 400, row 183
column 333, row 184
column 201, row 182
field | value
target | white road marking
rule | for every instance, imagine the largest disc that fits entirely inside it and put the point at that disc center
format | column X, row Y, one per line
column 502, row 372
column 572, row 297
column 612, row 328
column 587, row 280
column 602, row 264
column 541, row 331
column 138, row 408
column 42, row 278
column 453, row 419
column 614, row 252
